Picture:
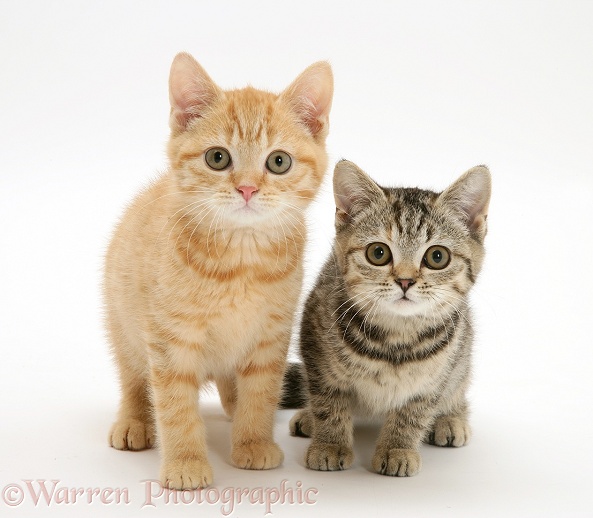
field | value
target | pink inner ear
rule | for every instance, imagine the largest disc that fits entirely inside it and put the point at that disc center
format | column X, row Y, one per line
column 311, row 95
column 471, row 195
column 312, row 121
column 190, row 90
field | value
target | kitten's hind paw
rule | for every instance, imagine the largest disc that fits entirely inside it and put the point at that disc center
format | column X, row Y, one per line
column 257, row 455
column 450, row 431
column 300, row 424
column 397, row 462
column 328, row 456
column 131, row 434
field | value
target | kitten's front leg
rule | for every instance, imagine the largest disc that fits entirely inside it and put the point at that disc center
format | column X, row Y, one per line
column 258, row 386
column 397, row 451
column 332, row 432
column 181, row 429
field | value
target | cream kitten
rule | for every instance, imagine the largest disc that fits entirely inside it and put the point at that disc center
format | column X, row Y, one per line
column 204, row 270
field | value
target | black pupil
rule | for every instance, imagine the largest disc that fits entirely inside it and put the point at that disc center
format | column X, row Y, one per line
column 378, row 252
column 217, row 157
column 278, row 160
column 437, row 256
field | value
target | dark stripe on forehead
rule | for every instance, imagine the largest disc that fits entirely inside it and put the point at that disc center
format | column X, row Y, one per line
column 410, row 207
column 398, row 211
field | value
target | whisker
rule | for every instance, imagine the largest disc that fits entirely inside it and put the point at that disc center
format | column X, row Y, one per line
column 210, row 209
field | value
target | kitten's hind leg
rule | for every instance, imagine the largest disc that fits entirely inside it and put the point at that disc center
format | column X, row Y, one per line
column 227, row 390
column 301, row 423
column 450, row 430
column 451, row 426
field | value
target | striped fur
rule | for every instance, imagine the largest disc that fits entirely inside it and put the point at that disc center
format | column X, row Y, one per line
column 365, row 349
column 201, row 283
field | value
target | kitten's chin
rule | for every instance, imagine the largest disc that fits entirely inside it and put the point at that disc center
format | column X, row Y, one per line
column 406, row 307
column 251, row 218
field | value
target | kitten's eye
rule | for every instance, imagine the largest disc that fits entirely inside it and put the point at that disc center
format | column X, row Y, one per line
column 218, row 158
column 378, row 254
column 437, row 257
column 278, row 162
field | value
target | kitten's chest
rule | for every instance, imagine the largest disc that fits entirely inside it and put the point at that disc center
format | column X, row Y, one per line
column 384, row 388
column 229, row 315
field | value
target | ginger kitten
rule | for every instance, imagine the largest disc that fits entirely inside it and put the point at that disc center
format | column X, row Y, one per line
column 204, row 270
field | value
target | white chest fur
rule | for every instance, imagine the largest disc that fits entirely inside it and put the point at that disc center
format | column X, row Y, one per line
column 389, row 388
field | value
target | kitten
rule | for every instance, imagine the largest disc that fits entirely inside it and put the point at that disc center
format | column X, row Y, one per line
column 387, row 329
column 204, row 270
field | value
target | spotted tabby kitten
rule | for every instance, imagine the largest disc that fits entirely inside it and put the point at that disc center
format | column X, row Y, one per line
column 204, row 271
column 387, row 329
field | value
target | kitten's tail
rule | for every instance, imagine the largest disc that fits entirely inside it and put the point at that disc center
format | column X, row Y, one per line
column 294, row 393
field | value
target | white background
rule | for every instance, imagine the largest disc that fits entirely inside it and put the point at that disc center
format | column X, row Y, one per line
column 424, row 91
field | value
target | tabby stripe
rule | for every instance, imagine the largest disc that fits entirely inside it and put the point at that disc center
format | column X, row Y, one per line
column 470, row 271
column 353, row 318
column 402, row 353
column 390, row 356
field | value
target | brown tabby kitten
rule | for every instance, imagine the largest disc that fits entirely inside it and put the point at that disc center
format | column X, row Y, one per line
column 204, row 271
column 387, row 329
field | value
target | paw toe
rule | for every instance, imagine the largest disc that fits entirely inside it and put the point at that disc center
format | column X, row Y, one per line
column 329, row 457
column 131, row 434
column 450, row 431
column 397, row 462
column 181, row 475
column 266, row 455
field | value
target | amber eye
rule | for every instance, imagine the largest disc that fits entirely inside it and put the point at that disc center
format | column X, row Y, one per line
column 378, row 254
column 218, row 158
column 437, row 257
column 278, row 162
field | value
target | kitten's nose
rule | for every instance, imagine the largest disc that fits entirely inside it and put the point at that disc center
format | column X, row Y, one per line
column 247, row 191
column 405, row 283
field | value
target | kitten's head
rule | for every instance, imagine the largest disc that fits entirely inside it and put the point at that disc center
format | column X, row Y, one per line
column 410, row 251
column 246, row 157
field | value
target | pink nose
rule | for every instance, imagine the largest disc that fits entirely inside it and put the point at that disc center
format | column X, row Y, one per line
column 405, row 283
column 247, row 191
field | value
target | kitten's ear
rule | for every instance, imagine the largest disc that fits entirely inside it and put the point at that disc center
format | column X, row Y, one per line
column 353, row 190
column 310, row 97
column 191, row 91
column 469, row 197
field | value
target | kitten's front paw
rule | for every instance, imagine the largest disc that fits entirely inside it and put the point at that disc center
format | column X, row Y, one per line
column 257, row 455
column 131, row 434
column 323, row 456
column 397, row 462
column 450, row 431
column 186, row 474
column 301, row 424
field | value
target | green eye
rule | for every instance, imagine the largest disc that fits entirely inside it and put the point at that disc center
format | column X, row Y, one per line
column 278, row 162
column 378, row 254
column 218, row 158
column 437, row 257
